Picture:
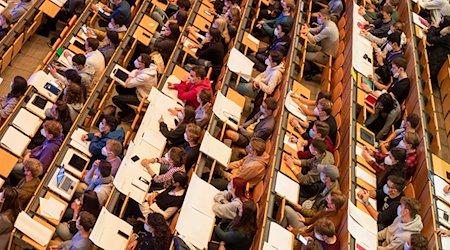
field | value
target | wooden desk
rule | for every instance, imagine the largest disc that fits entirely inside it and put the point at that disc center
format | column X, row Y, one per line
column 149, row 24
column 50, row 8
column 142, row 35
column 286, row 170
column 8, row 162
column 190, row 52
column 159, row 4
column 289, row 127
column 201, row 23
column 249, row 43
column 362, row 141
column 179, row 72
column 34, row 243
column 52, row 220
column 363, row 162
column 204, row 12
column 301, row 89
column 440, row 167
column 266, row 2
column 235, row 97
column 75, row 49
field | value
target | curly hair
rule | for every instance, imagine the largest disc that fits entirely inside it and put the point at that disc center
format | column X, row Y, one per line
column 161, row 233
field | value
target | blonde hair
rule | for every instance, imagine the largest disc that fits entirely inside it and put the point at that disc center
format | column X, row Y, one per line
column 193, row 131
column 221, row 24
column 115, row 146
column 34, row 165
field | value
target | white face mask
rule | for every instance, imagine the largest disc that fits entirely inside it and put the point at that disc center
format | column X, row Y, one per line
column 322, row 177
column 399, row 210
column 276, row 33
column 406, row 246
column 267, row 62
column 136, row 64
column 403, row 124
column 191, row 79
column 386, row 189
column 147, row 228
column 111, row 26
column 229, row 187
column 180, row 115
column 247, row 149
column 394, row 74
column 43, row 133
column 388, row 161
column 319, row 21
column 101, row 127
column 316, row 111
column 185, row 137
column 318, row 236
column 166, row 156
column 104, row 151
column 1, row 197
column 401, row 144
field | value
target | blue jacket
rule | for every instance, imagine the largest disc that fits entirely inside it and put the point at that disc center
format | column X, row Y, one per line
column 97, row 143
column 122, row 8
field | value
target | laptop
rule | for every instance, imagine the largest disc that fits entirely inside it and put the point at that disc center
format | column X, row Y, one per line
column 367, row 136
column 62, row 181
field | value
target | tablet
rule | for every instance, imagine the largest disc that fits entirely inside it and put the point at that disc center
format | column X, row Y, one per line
column 39, row 102
column 119, row 74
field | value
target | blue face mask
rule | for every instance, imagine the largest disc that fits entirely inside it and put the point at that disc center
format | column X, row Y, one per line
column 406, row 246
column 399, row 210
column 319, row 21
column 385, row 189
column 262, row 109
column 311, row 133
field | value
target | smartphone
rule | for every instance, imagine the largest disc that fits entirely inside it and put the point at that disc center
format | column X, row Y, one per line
column 135, row 158
column 302, row 239
column 52, row 88
column 84, row 29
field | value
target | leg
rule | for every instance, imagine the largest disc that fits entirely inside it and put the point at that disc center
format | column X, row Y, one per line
column 220, row 183
column 122, row 102
column 62, row 230
column 246, row 88
column 291, row 218
column 231, row 134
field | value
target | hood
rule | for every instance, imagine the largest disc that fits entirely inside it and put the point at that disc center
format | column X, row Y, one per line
column 56, row 141
column 77, row 106
column 412, row 226
column 117, row 134
column 151, row 70
column 279, row 67
column 263, row 159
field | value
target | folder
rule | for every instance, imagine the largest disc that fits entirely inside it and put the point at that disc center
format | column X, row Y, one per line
column 293, row 108
column 240, row 64
column 286, row 187
column 215, row 149
column 110, row 232
column 279, row 237
column 27, row 122
column 227, row 110
column 15, row 141
column 33, row 229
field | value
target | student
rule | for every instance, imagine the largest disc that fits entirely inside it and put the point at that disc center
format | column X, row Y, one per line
column 325, row 232
column 9, row 210
column 416, row 242
column 227, row 202
column 8, row 103
column 238, row 235
column 192, row 136
column 20, row 9
column 381, row 26
column 383, row 73
column 109, row 45
column 175, row 137
column 268, row 26
column 155, row 234
column 409, row 124
column 74, row 98
column 159, row 15
column 166, row 201
column 32, row 169
column 103, row 183
column 85, row 223
column 108, row 130
column 94, row 58
column 204, row 110
column 86, row 72
column 121, row 7
column 438, row 36
column 166, row 42
column 302, row 101
column 437, row 8
column 320, row 131
column 387, row 112
column 5, row 24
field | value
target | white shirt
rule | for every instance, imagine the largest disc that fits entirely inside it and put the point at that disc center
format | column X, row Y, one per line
column 96, row 60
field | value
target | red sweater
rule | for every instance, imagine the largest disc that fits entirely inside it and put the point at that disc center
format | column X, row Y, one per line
column 306, row 154
column 188, row 91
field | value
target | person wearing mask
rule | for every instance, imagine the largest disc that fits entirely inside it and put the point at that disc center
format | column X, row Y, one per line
column 407, row 222
column 94, row 57
column 264, row 125
column 32, row 169
column 227, row 202
column 238, row 235
column 188, row 90
column 381, row 26
column 166, row 201
column 388, row 199
column 85, row 223
column 268, row 26
column 117, row 24
column 301, row 102
column 5, row 22
column 108, row 130
column 166, row 42
column 20, row 9
column 103, row 182
column 175, row 137
column 175, row 160
column 325, row 233
column 86, row 72
column 387, row 112
column 438, row 38
column 137, row 86
column 159, row 15
column 322, row 111
column 437, row 8
column 9, row 102
column 109, row 45
column 121, row 7
column 155, row 234
column 251, row 168
column 9, row 210
column 409, row 124
column 192, row 147
column 383, row 74
column 381, row 45
column 203, row 112
column 320, row 132
column 416, row 242
column 336, row 8
column 112, row 151
column 306, row 171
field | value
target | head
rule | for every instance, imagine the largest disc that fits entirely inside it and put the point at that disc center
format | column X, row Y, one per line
column 51, row 129
column 181, row 17
column 60, row 111
column 215, row 35
column 288, row 5
column 411, row 122
column 282, row 30
column 417, row 242
column 274, row 59
column 32, row 167
column 104, row 168
column 324, row 229
column 192, row 133
column 397, row 26
column 268, row 106
column 5, row 19
column 409, row 207
column 396, row 156
column 394, row 186
column 72, row 77
column 118, row 20
column 18, row 87
column 312, row 245
column 393, row 3
column 323, row 16
column 387, row 12
column 328, row 173
column 112, row 37
column 234, row 17
column 78, row 61
column 221, row 24
column 317, row 147
column 256, row 147
column 184, row 5
column 395, row 40
column 143, row 61
column 73, row 94
column 157, row 225
column 89, row 202
column 323, row 108
column 245, row 220
column 85, row 221
column 445, row 22
column 108, row 124
column 320, row 130
column 335, row 201
column 399, row 67
column 203, row 97
column 91, row 44
column 411, row 140
column 187, row 115
column 239, row 188
column 197, row 74
column 385, row 103
column 177, row 157
column 180, row 179
column 9, row 201
column 172, row 32
column 323, row 94
column 113, row 148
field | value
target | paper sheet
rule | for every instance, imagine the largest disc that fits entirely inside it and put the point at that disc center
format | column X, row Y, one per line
column 445, row 241
column 285, row 186
column 439, row 185
column 362, row 237
column 76, row 141
column 362, row 218
column 15, row 141
column 288, row 143
column 279, row 237
column 64, row 61
column 443, row 211
column 105, row 233
column 227, row 110
column 363, row 175
column 240, row 64
column 133, row 180
column 33, row 229
column 172, row 93
column 215, row 149
column 359, row 151
column 51, row 207
column 27, row 122
column 156, row 139
column 267, row 246
column 293, row 108
column 252, row 39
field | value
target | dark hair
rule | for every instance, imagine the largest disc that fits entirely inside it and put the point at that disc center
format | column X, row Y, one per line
column 79, row 59
column 161, row 232
column 395, row 37
column 178, row 156
column 215, row 34
column 73, row 94
column 204, row 96
column 18, row 88
column 240, row 188
column 247, row 222
column 413, row 119
column 11, row 203
column 400, row 63
column 388, row 9
column 322, row 128
column 146, row 59
column 319, row 145
column 398, row 182
column 181, row 17
column 285, row 27
column 63, row 111
column 189, row 115
column 277, row 56
column 313, row 245
column 199, row 71
column 73, row 76
column 90, row 203
column 181, row 177
column 184, row 4
column 338, row 199
column 325, row 227
column 387, row 101
column 174, row 31
column 323, row 94
column 113, row 36
column 399, row 154
column 119, row 19
column 92, row 43
column 418, row 242
column 87, row 220
column 271, row 103
column 399, row 26
column 259, row 145
column 112, row 122
column 104, row 167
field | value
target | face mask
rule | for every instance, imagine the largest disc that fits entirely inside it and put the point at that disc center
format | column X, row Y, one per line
column 43, row 133
column 191, row 79
column 180, row 115
column 207, row 35
column 185, row 137
column 390, row 32
column 319, row 21
column 316, row 111
column 247, row 149
column 267, row 62
column 388, row 161
column 101, row 127
column 166, row 156
column 104, row 151
column 399, row 210
column 406, row 246
column 11, row 84
column 276, row 33
column 1, row 198
column 395, row 75
column 111, row 26
column 403, row 124
column 401, row 144
column 318, row 236
column 311, row 133
column 386, row 189
column 262, row 109
column 136, row 63
column 322, row 177
column 147, row 228
column 229, row 187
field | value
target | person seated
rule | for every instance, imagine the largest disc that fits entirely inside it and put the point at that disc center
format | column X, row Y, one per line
column 112, row 151
column 320, row 131
column 166, row 201
column 280, row 42
column 203, row 112
column 86, row 72
column 121, row 7
column 160, row 15
column 5, row 24
column 88, row 202
column 437, row 8
column 264, row 125
column 416, row 242
column 225, row 9
column 108, row 130
column 323, row 42
column 438, row 38
column 155, row 234
column 268, row 80
column 102, row 184
column 109, row 44
column 192, row 136
column 399, row 86
column 251, row 168
column 325, row 233
column 74, row 98
column 387, row 112
column 240, row 232
column 117, row 24
column 334, row 202
column 188, row 90
column 266, row 28
column 227, row 202
column 9, row 102
column 381, row 26
column 32, row 169
column 443, row 232
column 233, row 21
column 85, row 224
column 381, row 45
column 329, row 183
column 409, row 124
column 407, row 222
column 20, row 9
column 9, row 210
column 166, row 42
column 137, row 86
column 322, row 111
column 175, row 137
column 388, row 199
column 174, row 160
column 94, row 58
column 336, row 8
column 302, row 101
column 383, row 73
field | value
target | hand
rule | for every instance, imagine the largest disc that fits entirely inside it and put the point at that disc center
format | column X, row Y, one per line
column 255, row 85
column 76, row 206
column 305, row 29
column 98, row 134
column 363, row 195
column 379, row 59
column 290, row 228
column 52, row 69
column 294, row 122
column 96, row 163
column 374, row 45
column 26, row 157
column 442, row 232
column 366, row 155
column 84, row 137
column 173, row 111
column 289, row 161
column 54, row 247
column 361, row 10
column 170, row 85
column 297, row 207
column 132, row 245
column 66, row 54
column 90, row 33
column 146, row 162
column 365, row 87
column 151, row 198
column 293, row 139
column 370, row 77
column 447, row 189
column 364, row 32
column 161, row 119
column 185, row 78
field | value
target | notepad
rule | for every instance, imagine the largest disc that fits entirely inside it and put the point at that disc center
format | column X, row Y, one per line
column 15, row 141
column 27, row 122
column 51, row 207
column 65, row 61
column 362, row 218
column 288, row 143
column 366, row 177
column 227, row 110
column 155, row 138
column 215, row 149
column 252, row 39
column 286, row 187
column 110, row 232
column 77, row 143
column 293, row 108
column 240, row 64
column 279, row 237
column 33, row 229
